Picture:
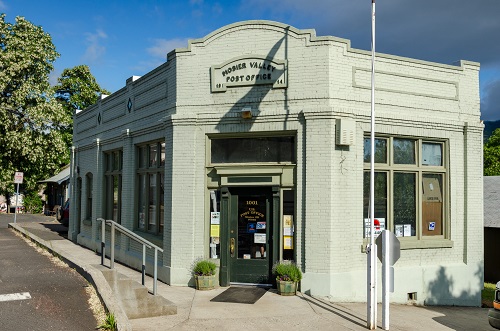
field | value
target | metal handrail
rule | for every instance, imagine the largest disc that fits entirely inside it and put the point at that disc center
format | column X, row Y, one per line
column 145, row 244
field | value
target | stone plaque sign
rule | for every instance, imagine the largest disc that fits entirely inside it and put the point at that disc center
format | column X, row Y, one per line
column 249, row 70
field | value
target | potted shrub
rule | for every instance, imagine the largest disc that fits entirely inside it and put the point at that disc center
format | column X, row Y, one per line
column 288, row 275
column 204, row 274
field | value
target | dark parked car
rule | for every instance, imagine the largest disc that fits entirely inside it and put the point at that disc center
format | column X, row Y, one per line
column 63, row 214
column 494, row 313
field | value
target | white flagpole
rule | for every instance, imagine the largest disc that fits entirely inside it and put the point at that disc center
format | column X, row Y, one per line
column 372, row 293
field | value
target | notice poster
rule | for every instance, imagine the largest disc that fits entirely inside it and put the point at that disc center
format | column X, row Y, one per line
column 407, row 230
column 251, row 227
column 287, row 242
column 214, row 230
column 398, row 231
column 261, row 225
column 378, row 226
column 287, row 225
column 259, row 238
column 215, row 217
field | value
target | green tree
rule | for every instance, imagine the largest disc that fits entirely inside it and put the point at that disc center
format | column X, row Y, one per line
column 31, row 119
column 492, row 154
column 76, row 89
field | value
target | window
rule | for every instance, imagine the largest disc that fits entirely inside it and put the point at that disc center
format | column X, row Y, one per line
column 150, row 173
column 255, row 149
column 88, row 179
column 409, row 186
column 113, row 185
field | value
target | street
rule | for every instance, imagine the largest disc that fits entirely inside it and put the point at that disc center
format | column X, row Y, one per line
column 38, row 291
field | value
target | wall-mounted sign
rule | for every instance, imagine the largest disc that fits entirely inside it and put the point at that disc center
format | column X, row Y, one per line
column 249, row 70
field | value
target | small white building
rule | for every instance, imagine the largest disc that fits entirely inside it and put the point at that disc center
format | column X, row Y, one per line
column 251, row 145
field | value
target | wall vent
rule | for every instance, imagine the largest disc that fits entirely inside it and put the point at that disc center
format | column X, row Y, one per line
column 345, row 132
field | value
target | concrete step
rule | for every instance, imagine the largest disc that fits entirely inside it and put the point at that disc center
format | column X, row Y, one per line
column 150, row 307
column 135, row 298
column 128, row 289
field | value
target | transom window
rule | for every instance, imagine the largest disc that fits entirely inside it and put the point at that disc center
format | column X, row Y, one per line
column 150, row 173
column 410, row 190
column 253, row 149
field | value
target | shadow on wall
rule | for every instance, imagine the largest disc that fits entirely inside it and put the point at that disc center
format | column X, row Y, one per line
column 441, row 291
column 257, row 92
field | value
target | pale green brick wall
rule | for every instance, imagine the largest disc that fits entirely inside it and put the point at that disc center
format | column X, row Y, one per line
column 327, row 80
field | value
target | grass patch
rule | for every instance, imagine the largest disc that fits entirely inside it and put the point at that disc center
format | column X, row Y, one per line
column 488, row 294
column 109, row 323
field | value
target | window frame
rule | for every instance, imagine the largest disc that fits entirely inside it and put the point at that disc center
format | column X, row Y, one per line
column 419, row 240
column 113, row 170
column 249, row 138
column 145, row 168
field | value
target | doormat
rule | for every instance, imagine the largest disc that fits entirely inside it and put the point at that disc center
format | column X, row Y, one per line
column 243, row 294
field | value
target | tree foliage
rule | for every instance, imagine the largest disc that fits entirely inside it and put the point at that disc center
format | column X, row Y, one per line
column 492, row 154
column 31, row 119
column 76, row 89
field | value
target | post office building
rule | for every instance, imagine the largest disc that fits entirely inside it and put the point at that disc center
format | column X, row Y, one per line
column 252, row 145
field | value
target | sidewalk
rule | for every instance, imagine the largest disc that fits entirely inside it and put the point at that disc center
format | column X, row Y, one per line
column 195, row 311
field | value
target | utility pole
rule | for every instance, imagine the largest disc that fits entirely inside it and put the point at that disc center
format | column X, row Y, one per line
column 372, row 249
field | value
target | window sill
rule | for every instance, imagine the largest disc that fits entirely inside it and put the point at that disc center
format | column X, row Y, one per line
column 427, row 243
column 155, row 239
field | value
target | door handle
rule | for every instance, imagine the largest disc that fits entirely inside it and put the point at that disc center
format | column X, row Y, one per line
column 231, row 247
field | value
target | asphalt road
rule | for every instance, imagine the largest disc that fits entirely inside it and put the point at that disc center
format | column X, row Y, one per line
column 58, row 298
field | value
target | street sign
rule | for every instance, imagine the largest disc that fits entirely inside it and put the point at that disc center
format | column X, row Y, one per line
column 18, row 177
column 394, row 246
column 388, row 253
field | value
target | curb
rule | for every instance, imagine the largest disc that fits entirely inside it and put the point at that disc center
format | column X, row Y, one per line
column 91, row 274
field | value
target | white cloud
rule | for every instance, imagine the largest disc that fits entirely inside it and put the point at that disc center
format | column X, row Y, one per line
column 161, row 47
column 95, row 50
column 158, row 53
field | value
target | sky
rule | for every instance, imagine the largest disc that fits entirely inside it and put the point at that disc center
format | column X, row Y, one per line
column 120, row 39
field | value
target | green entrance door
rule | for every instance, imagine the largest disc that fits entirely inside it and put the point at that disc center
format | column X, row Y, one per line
column 250, row 235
